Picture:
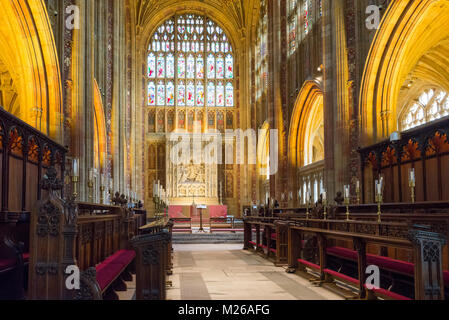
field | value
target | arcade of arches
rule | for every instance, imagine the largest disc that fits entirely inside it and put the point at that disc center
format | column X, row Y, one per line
column 318, row 87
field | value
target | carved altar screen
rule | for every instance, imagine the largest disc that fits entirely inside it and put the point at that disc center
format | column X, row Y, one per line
column 191, row 182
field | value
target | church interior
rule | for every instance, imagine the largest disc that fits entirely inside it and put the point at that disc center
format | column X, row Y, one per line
column 224, row 150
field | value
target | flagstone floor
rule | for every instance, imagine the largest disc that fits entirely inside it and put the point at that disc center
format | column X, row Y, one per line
column 225, row 272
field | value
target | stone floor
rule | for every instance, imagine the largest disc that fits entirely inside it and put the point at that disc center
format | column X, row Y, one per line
column 225, row 272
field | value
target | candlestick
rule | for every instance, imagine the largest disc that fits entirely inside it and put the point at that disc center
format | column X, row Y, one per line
column 357, row 191
column 325, row 204
column 75, row 167
column 346, row 200
column 307, row 204
column 75, row 180
column 412, row 184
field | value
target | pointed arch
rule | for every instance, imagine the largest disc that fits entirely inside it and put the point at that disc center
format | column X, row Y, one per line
column 99, row 130
column 307, row 118
column 408, row 31
column 28, row 51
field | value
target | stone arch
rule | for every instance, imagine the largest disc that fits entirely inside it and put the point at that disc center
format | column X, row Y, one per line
column 307, row 117
column 100, row 145
column 29, row 54
column 406, row 45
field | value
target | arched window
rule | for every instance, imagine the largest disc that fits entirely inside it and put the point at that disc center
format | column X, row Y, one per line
column 190, row 63
column 431, row 104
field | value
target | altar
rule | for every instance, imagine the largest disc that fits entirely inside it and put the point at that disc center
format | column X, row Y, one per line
column 191, row 182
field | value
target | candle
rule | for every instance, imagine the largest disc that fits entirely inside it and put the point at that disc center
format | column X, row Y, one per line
column 111, row 184
column 91, row 174
column 357, row 185
column 379, row 187
column 75, row 167
column 412, row 175
column 346, row 191
column 324, row 195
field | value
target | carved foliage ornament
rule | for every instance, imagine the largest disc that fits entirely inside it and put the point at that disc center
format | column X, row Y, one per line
column 48, row 220
column 150, row 256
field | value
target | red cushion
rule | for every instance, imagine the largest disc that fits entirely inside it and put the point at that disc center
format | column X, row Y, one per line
column 381, row 262
column 341, row 276
column 253, row 243
column 390, row 294
column 110, row 268
column 309, row 264
column 7, row 263
column 273, row 250
column 274, row 236
column 26, row 257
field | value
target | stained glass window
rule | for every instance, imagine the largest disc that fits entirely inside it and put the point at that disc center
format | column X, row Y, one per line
column 191, row 47
column 429, row 105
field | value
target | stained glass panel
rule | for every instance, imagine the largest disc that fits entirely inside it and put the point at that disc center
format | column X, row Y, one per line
column 170, row 66
column 211, row 66
column 220, row 95
column 161, row 66
column 151, row 66
column 170, row 94
column 200, row 94
column 229, row 67
column 211, row 94
column 190, row 67
column 229, row 95
column 151, row 94
column 190, row 94
column 181, row 66
column 200, row 67
column 220, row 67
column 160, row 94
column 181, row 94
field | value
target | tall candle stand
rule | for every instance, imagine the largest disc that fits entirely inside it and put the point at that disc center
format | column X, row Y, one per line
column 75, row 180
column 379, row 200
column 412, row 184
column 357, row 192
column 308, row 207
column 325, row 208
column 102, row 189
column 90, row 185
column 347, row 208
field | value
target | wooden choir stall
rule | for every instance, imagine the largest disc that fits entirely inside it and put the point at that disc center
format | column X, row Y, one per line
column 47, row 238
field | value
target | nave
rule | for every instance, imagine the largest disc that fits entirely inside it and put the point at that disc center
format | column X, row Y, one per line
column 200, row 274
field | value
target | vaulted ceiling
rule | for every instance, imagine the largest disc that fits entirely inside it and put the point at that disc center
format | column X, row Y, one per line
column 238, row 17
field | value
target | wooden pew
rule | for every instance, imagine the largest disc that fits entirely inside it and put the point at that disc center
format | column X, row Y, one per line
column 153, row 249
column 25, row 155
